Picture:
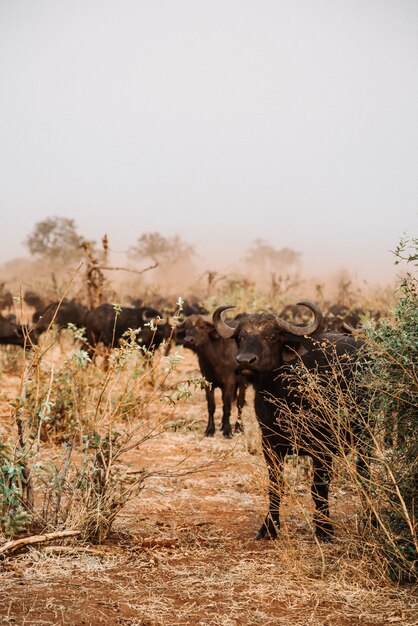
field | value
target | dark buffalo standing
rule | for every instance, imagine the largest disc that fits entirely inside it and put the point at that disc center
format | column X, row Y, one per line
column 107, row 324
column 6, row 301
column 169, row 307
column 267, row 347
column 60, row 314
column 14, row 334
column 294, row 313
column 217, row 364
column 342, row 319
column 193, row 307
column 33, row 299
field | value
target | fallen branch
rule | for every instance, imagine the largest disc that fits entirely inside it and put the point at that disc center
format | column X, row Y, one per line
column 82, row 550
column 127, row 269
column 11, row 546
column 153, row 542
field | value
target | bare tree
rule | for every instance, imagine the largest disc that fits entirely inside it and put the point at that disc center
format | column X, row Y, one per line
column 95, row 279
column 97, row 284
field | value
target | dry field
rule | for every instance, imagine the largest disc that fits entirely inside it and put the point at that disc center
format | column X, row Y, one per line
column 182, row 552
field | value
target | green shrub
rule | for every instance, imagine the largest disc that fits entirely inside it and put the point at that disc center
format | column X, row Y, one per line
column 14, row 516
column 394, row 388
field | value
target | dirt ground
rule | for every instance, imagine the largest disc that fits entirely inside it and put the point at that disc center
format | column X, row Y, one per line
column 183, row 551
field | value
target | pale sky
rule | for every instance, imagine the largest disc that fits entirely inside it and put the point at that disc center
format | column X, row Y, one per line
column 220, row 120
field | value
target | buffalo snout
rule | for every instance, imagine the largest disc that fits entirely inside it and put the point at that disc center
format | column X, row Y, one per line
column 246, row 361
column 189, row 342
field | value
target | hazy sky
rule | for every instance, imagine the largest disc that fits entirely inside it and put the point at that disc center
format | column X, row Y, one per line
column 221, row 120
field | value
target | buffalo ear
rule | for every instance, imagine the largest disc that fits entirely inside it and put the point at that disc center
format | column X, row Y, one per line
column 293, row 351
column 210, row 329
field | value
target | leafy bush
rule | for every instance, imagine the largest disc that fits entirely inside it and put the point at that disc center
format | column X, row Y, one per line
column 394, row 388
column 14, row 492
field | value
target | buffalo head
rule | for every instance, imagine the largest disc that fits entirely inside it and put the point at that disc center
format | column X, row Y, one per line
column 15, row 334
column 195, row 331
column 266, row 341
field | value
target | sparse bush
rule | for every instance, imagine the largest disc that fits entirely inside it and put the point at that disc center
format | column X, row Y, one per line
column 57, row 404
column 10, row 359
column 88, row 492
column 97, row 417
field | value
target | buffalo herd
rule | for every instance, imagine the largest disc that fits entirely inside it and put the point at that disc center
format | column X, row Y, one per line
column 259, row 350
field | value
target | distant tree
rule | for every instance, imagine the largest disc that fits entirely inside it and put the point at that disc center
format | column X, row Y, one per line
column 173, row 256
column 162, row 250
column 269, row 260
column 55, row 238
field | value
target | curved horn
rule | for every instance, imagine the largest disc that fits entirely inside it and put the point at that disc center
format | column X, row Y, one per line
column 225, row 330
column 147, row 316
column 299, row 331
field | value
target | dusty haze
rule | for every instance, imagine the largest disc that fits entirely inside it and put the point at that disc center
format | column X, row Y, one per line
column 223, row 121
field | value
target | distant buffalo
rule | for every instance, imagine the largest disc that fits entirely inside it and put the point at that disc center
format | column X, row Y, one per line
column 343, row 319
column 6, row 301
column 60, row 314
column 107, row 324
column 15, row 334
column 33, row 299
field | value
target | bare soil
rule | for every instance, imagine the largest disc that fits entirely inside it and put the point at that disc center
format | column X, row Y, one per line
column 183, row 551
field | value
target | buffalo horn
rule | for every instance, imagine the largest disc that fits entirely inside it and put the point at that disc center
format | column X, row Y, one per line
column 158, row 321
column 299, row 331
column 146, row 316
column 225, row 330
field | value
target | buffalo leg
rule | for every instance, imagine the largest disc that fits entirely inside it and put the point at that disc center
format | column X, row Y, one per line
column 210, row 399
column 320, row 491
column 227, row 395
column 275, row 465
column 240, row 405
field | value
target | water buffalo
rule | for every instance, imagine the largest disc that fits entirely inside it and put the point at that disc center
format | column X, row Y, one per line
column 193, row 307
column 342, row 319
column 6, row 301
column 34, row 300
column 216, row 358
column 60, row 314
column 14, row 334
column 268, row 348
column 107, row 324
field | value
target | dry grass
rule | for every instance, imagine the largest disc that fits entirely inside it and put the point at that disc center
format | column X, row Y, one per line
column 183, row 551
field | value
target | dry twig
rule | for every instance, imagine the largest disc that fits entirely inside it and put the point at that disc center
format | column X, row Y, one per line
column 15, row 544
